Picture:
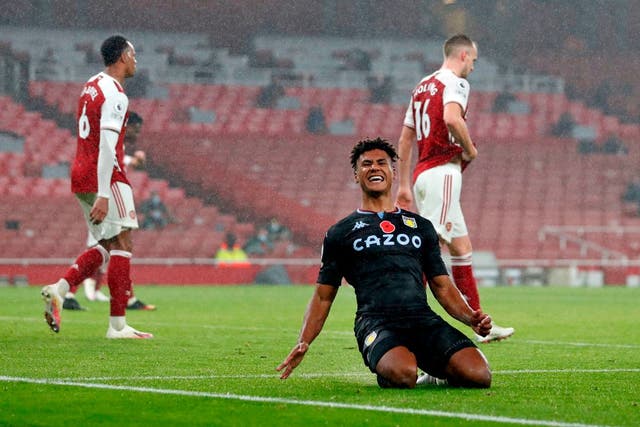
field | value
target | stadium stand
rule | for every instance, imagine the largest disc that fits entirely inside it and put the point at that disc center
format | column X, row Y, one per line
column 532, row 196
column 505, row 133
column 21, row 184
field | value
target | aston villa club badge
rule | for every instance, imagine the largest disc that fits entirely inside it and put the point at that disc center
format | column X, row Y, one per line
column 409, row 222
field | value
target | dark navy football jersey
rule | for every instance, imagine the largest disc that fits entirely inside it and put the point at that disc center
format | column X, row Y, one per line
column 385, row 258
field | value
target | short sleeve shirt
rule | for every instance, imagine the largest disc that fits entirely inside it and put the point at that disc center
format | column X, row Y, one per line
column 385, row 259
column 102, row 105
column 425, row 114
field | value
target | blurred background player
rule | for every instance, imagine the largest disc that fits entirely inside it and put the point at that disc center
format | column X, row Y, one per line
column 435, row 119
column 92, row 285
column 100, row 184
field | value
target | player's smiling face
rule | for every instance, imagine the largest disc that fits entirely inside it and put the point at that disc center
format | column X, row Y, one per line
column 375, row 172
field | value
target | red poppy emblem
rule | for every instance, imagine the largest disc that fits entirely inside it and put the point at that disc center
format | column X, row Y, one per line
column 387, row 227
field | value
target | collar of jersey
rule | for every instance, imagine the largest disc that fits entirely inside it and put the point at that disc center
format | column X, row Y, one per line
column 366, row 212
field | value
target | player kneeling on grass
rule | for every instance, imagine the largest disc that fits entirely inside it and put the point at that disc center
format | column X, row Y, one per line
column 385, row 252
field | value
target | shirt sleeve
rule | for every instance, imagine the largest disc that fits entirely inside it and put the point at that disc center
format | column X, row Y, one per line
column 330, row 273
column 408, row 116
column 432, row 262
column 456, row 90
column 114, row 110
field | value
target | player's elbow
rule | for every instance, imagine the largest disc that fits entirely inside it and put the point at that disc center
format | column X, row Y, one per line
column 452, row 123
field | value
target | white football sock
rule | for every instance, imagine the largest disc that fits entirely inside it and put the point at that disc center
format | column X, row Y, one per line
column 62, row 287
column 117, row 322
column 426, row 379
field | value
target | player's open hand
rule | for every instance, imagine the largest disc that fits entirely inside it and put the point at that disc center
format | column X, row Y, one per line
column 99, row 210
column 481, row 323
column 293, row 360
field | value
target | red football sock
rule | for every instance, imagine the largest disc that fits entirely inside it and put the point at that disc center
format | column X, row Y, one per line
column 85, row 265
column 119, row 281
column 465, row 281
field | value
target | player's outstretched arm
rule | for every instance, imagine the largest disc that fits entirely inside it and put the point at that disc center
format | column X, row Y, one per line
column 454, row 303
column 314, row 318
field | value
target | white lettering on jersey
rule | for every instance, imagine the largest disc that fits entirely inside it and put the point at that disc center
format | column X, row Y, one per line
column 91, row 91
column 431, row 88
column 422, row 119
column 387, row 240
column 84, row 128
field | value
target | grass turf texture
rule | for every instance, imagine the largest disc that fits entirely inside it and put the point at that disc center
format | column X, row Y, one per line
column 574, row 360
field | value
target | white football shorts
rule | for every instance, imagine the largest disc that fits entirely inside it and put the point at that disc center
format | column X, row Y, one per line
column 437, row 196
column 121, row 216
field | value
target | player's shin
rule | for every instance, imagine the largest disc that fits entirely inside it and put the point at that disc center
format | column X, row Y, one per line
column 119, row 281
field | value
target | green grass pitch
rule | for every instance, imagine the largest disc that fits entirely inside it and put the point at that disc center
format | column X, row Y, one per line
column 574, row 361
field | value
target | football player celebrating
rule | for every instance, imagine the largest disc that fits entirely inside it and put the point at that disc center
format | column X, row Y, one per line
column 385, row 253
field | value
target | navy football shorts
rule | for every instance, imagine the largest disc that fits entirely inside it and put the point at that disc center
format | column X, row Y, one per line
column 432, row 345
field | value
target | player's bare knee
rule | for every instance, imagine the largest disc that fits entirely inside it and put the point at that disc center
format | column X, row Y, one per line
column 480, row 377
column 486, row 379
column 123, row 242
column 409, row 379
column 472, row 377
column 402, row 377
column 469, row 368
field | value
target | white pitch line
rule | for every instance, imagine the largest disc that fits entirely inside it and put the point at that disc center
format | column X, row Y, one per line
column 581, row 344
column 566, row 371
column 332, row 374
column 325, row 332
column 214, row 376
column 292, row 331
column 318, row 403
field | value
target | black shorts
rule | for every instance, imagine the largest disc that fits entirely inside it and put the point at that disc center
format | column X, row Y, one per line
column 433, row 345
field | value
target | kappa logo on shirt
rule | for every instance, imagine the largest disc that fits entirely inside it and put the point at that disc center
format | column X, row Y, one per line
column 359, row 224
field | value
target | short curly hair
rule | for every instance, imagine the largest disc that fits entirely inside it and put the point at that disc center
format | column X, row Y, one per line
column 372, row 144
column 112, row 48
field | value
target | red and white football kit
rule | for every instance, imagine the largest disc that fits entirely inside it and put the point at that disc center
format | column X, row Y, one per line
column 103, row 106
column 437, row 180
